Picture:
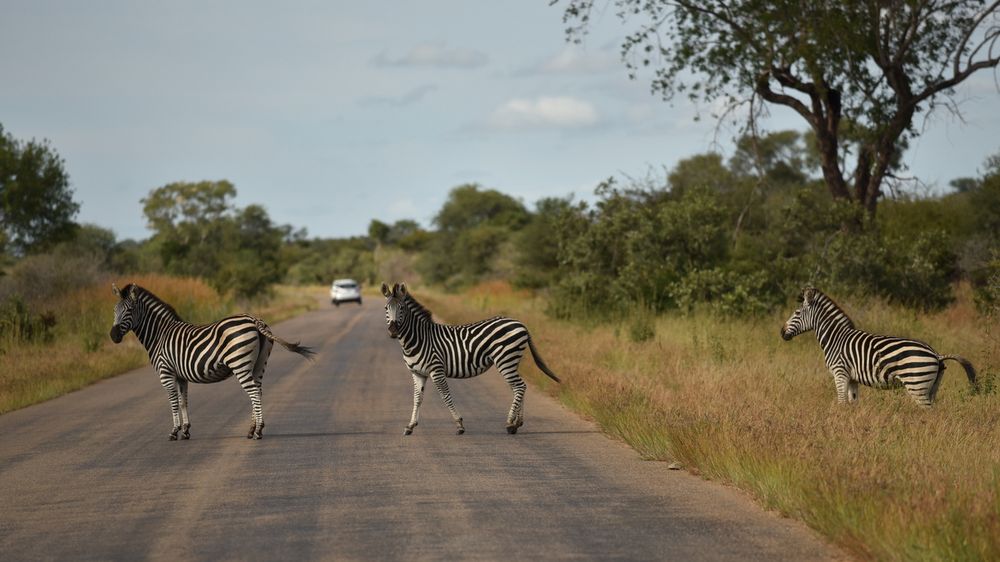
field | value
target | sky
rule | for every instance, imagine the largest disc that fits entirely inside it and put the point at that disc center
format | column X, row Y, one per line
column 330, row 114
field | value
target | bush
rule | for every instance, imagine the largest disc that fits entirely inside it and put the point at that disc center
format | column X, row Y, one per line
column 41, row 277
column 18, row 323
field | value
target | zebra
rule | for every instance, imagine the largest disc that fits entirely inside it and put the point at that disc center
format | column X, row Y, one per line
column 439, row 351
column 855, row 356
column 182, row 353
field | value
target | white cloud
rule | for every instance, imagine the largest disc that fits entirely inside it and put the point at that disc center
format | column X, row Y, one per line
column 574, row 60
column 544, row 112
column 436, row 54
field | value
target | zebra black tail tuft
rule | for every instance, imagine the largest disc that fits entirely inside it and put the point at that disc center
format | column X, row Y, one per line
column 302, row 350
column 538, row 361
column 967, row 365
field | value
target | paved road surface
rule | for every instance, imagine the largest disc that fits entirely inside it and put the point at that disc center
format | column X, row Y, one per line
column 92, row 476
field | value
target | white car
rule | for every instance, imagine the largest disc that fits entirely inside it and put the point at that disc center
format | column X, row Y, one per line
column 345, row 290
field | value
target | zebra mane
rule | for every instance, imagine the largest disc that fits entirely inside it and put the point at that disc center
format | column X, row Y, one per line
column 149, row 297
column 831, row 306
column 418, row 310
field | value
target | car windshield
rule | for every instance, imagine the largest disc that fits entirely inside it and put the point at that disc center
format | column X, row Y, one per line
column 345, row 285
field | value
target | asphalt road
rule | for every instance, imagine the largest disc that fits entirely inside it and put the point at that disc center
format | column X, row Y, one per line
column 92, row 476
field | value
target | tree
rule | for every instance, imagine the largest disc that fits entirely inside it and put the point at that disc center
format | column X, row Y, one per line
column 199, row 232
column 36, row 203
column 378, row 231
column 469, row 206
column 473, row 226
column 858, row 72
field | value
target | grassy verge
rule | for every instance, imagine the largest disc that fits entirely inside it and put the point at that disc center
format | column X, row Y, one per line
column 733, row 402
column 80, row 351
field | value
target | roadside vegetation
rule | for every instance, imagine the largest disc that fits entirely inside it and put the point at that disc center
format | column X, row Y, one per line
column 59, row 342
column 730, row 400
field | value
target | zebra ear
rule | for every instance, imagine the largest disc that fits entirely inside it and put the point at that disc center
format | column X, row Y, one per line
column 116, row 290
column 385, row 291
column 402, row 289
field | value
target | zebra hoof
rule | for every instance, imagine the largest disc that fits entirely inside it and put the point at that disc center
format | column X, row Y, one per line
column 173, row 437
column 460, row 431
column 511, row 429
column 253, row 430
column 186, row 435
column 408, row 431
column 257, row 436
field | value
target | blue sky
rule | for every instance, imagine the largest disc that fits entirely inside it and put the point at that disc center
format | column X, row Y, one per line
column 333, row 113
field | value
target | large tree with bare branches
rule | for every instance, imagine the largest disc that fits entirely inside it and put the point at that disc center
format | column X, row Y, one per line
column 858, row 72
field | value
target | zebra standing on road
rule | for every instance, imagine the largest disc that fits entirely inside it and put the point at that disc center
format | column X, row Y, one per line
column 183, row 353
column 854, row 356
column 440, row 351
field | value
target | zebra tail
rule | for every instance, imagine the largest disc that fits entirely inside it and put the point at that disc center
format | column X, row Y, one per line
column 302, row 350
column 967, row 365
column 538, row 361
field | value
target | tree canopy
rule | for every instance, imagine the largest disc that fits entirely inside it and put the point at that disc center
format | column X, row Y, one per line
column 858, row 72
column 199, row 232
column 36, row 203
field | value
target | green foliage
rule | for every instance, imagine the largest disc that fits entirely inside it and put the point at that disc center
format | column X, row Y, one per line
column 703, row 244
column 20, row 324
column 856, row 72
column 472, row 226
column 200, row 233
column 36, row 203
column 322, row 261
column 469, row 206
column 537, row 244
column 987, row 293
column 404, row 233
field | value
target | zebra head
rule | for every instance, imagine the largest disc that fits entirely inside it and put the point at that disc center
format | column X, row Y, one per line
column 124, row 312
column 803, row 319
column 394, row 308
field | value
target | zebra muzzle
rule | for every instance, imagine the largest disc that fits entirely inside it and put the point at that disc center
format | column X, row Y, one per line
column 116, row 334
column 393, row 330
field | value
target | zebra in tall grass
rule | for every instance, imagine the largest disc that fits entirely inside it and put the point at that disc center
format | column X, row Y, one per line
column 854, row 356
column 182, row 353
column 440, row 352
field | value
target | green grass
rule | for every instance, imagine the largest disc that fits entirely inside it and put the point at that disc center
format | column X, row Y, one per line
column 81, row 352
column 732, row 402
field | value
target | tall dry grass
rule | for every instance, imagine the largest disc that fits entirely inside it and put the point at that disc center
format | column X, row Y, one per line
column 81, row 351
column 733, row 402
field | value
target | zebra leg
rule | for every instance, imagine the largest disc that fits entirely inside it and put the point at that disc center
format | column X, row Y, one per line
column 852, row 391
column 169, row 382
column 932, row 392
column 515, row 418
column 922, row 388
column 841, row 381
column 185, row 421
column 442, row 386
column 418, row 398
column 252, row 388
column 260, row 365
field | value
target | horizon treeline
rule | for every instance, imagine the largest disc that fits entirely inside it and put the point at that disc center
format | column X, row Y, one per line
column 739, row 236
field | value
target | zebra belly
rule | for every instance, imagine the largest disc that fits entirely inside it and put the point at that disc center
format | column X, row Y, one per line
column 890, row 374
column 467, row 371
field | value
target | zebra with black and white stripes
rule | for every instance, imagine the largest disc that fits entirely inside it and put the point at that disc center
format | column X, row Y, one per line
column 855, row 356
column 182, row 353
column 440, row 351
